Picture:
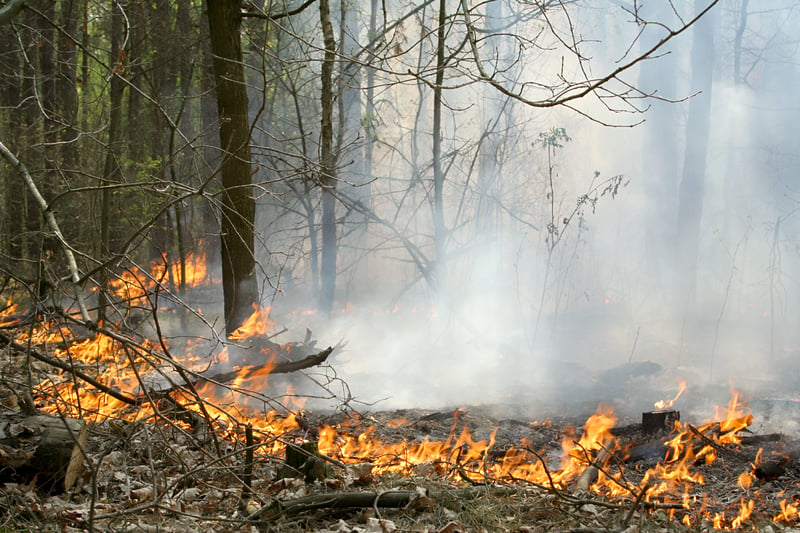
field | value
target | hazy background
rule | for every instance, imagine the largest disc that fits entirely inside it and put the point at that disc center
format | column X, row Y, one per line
column 507, row 328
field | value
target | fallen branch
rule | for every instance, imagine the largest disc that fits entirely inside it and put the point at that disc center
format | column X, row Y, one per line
column 390, row 499
column 141, row 398
column 278, row 368
column 718, row 447
column 590, row 474
column 66, row 367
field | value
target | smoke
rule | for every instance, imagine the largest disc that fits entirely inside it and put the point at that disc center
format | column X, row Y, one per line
column 550, row 284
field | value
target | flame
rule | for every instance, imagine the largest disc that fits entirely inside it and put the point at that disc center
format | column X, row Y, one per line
column 667, row 404
column 745, row 510
column 7, row 312
column 46, row 333
column 789, row 512
column 745, row 480
column 292, row 401
column 461, row 455
column 194, row 266
column 134, row 284
column 398, row 423
column 734, row 418
column 258, row 323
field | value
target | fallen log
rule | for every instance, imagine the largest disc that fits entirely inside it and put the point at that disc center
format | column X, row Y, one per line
column 389, row 499
column 284, row 367
column 45, row 447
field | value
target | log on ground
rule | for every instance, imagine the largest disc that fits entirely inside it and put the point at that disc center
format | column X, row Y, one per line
column 45, row 447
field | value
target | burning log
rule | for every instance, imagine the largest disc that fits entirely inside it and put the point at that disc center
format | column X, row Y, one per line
column 45, row 447
column 589, row 476
column 273, row 368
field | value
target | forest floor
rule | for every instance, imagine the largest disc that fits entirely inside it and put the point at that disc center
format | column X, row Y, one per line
column 569, row 466
column 151, row 475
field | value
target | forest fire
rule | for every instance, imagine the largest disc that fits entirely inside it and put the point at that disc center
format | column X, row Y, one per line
column 226, row 390
column 460, row 456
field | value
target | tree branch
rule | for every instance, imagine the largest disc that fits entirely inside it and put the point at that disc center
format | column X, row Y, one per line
column 573, row 91
column 51, row 221
column 10, row 10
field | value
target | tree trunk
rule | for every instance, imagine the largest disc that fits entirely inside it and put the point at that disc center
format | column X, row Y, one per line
column 67, row 88
column 439, row 228
column 111, row 170
column 327, row 166
column 349, row 148
column 660, row 165
column 692, row 187
column 47, row 448
column 237, row 239
column 10, row 84
column 370, row 120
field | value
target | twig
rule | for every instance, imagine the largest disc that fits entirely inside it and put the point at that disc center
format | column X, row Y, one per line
column 635, row 340
column 722, row 449
column 247, row 476
column 590, row 474
column 635, row 505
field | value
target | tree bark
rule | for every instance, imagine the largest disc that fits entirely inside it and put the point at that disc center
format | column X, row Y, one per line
column 45, row 447
column 439, row 228
column 67, row 88
column 111, row 170
column 327, row 166
column 237, row 239
column 10, row 10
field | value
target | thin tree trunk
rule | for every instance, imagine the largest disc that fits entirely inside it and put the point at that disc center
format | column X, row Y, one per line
column 327, row 166
column 369, row 104
column 439, row 228
column 111, row 170
column 10, row 85
column 85, row 95
column 67, row 88
column 660, row 164
column 237, row 238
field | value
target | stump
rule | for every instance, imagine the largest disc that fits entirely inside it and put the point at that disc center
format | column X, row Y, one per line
column 43, row 447
column 664, row 420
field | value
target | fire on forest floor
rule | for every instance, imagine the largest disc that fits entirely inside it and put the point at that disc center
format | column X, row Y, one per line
column 464, row 469
column 192, row 434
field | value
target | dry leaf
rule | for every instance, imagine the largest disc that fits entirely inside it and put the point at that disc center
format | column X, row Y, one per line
column 453, row 527
column 376, row 525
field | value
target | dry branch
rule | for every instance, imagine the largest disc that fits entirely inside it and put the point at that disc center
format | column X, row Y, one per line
column 291, row 366
column 51, row 221
column 390, row 499
column 589, row 476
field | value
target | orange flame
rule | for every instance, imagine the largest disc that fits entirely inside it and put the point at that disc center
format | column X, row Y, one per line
column 667, row 404
column 257, row 323
column 789, row 512
column 8, row 311
column 134, row 284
